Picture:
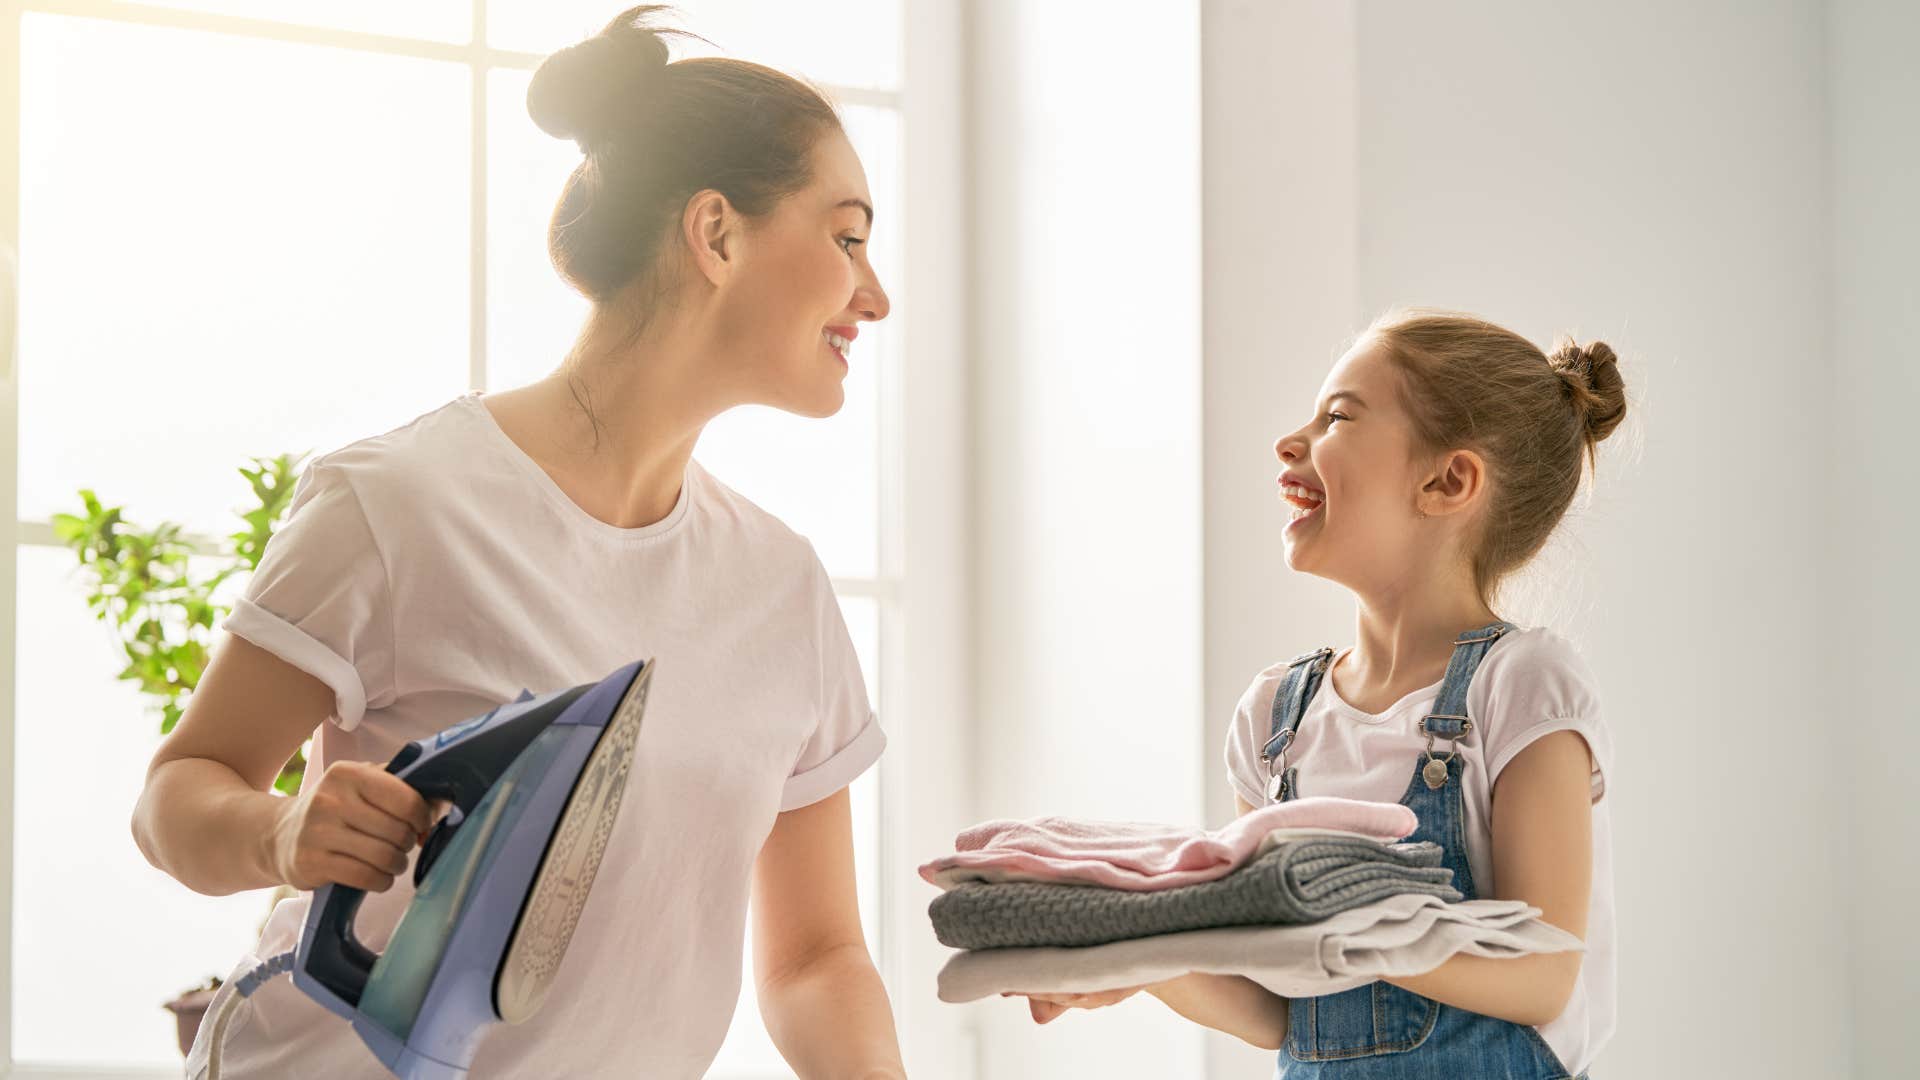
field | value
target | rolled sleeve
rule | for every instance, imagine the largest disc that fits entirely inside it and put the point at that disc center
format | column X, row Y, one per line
column 843, row 768
column 845, row 739
column 319, row 598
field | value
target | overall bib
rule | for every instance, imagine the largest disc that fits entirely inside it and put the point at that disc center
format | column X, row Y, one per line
column 1379, row 1031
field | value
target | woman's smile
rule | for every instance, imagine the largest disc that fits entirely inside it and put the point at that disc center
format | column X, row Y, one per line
column 839, row 338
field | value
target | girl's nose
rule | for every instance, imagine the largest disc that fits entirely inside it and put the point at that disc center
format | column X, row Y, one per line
column 1287, row 448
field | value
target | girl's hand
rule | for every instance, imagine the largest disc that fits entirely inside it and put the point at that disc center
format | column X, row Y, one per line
column 1045, row 1007
column 355, row 827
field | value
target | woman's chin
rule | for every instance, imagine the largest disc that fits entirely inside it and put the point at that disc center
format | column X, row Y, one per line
column 821, row 403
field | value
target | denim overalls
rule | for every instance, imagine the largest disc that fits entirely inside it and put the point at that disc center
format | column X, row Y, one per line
column 1379, row 1031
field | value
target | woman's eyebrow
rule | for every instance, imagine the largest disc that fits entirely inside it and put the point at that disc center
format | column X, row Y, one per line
column 862, row 204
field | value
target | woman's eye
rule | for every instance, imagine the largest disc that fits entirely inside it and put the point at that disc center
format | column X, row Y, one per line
column 847, row 242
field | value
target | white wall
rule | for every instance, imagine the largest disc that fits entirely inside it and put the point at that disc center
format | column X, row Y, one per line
column 1654, row 175
column 1875, row 109
column 1086, row 360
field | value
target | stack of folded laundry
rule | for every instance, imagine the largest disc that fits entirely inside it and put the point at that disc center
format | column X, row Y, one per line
column 1307, row 897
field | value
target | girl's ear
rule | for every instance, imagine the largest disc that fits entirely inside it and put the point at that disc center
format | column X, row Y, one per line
column 712, row 232
column 1455, row 485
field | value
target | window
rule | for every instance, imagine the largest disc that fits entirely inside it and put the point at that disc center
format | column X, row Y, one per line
column 254, row 226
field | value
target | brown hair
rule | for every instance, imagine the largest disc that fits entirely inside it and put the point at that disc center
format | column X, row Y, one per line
column 1535, row 417
column 656, row 133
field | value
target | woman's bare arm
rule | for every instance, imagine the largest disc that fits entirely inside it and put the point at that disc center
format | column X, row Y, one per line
column 207, row 815
column 820, row 996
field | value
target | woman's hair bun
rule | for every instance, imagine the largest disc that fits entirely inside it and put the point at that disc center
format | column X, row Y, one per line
column 585, row 91
column 1591, row 373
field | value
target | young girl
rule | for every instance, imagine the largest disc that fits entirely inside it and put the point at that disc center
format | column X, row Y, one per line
column 1442, row 453
column 543, row 536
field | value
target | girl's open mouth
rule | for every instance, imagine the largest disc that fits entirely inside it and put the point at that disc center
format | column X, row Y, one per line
column 1305, row 501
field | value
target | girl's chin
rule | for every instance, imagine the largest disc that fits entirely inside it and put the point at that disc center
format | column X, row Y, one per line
column 1299, row 553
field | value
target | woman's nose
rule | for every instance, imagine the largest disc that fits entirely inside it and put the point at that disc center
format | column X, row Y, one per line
column 870, row 300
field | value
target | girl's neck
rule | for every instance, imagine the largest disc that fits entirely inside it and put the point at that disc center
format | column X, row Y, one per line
column 1404, row 637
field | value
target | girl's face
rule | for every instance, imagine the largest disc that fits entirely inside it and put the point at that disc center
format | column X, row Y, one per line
column 805, row 288
column 1351, row 478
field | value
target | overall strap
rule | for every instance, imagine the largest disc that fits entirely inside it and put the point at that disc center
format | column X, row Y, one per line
column 1449, row 719
column 1304, row 673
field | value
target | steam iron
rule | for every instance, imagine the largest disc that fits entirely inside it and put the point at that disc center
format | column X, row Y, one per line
column 534, row 786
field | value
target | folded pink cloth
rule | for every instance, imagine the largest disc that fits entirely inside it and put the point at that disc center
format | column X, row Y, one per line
column 1145, row 858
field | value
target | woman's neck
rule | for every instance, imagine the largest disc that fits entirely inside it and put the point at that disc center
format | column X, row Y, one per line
column 1404, row 637
column 616, row 425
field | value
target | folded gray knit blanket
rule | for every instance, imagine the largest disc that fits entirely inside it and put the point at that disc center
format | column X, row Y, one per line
column 1299, row 881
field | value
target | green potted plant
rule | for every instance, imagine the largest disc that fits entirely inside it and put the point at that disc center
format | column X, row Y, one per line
column 157, row 589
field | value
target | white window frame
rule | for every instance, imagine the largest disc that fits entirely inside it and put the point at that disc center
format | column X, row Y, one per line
column 921, row 588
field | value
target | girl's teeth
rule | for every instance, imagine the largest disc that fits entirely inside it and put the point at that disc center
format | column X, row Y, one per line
column 1295, row 491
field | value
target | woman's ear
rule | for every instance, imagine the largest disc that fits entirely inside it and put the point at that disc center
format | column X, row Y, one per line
column 1456, row 484
column 712, row 232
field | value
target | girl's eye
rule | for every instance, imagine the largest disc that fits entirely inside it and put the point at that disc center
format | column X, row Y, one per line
column 847, row 242
column 1332, row 416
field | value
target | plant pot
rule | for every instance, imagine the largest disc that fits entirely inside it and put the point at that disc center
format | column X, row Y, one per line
column 188, row 1010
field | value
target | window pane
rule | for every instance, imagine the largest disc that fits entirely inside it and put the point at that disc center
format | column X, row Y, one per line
column 261, row 250
column 748, row 1051
column 837, row 42
column 437, row 20
column 92, row 922
column 532, row 316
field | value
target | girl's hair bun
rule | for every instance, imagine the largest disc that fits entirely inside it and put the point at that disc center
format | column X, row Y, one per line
column 1591, row 373
column 585, row 91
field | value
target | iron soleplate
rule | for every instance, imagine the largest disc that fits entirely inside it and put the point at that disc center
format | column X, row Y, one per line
column 560, row 887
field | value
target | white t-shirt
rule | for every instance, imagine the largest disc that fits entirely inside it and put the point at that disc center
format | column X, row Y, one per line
column 431, row 573
column 1531, row 683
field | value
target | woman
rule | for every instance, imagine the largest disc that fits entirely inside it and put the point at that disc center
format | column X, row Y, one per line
column 543, row 536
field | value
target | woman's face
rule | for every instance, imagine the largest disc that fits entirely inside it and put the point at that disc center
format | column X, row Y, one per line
column 807, row 286
column 1351, row 478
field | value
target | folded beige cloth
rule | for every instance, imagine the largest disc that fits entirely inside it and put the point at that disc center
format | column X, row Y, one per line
column 1407, row 934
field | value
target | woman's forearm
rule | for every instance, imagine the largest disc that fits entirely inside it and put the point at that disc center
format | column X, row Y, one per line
column 831, row 1019
column 199, row 821
column 1238, row 1006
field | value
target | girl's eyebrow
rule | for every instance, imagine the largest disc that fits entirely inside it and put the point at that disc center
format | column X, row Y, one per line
column 1349, row 395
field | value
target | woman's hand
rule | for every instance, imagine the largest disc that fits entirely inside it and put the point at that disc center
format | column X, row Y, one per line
column 354, row 827
column 1045, row 1007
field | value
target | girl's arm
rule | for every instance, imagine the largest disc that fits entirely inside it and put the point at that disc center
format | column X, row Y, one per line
column 822, row 1001
column 1543, row 854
